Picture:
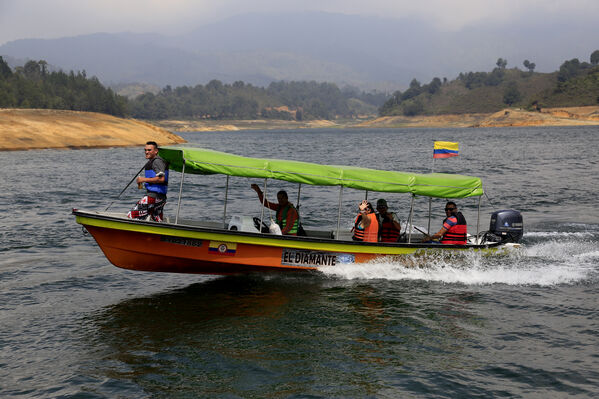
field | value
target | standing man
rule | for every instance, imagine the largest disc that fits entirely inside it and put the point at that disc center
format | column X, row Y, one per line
column 155, row 181
column 389, row 226
column 454, row 228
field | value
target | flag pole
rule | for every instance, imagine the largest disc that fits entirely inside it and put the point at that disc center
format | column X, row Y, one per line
column 441, row 149
column 430, row 199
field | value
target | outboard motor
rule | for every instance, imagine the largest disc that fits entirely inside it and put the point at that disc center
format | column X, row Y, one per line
column 507, row 225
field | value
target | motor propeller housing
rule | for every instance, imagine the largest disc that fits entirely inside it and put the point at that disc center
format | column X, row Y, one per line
column 507, row 225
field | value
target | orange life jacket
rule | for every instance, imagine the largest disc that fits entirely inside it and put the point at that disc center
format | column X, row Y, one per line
column 368, row 234
column 455, row 234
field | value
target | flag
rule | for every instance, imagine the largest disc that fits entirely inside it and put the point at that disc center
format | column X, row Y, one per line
column 222, row 248
column 445, row 149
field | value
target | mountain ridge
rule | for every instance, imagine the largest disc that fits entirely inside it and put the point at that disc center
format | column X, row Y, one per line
column 367, row 52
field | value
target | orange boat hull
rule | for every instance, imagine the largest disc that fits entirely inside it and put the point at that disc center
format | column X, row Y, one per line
column 164, row 247
column 157, row 253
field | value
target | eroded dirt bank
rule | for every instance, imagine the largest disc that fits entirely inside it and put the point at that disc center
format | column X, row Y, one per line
column 572, row 116
column 26, row 129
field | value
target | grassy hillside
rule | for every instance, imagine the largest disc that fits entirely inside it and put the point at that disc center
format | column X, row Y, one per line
column 578, row 91
column 483, row 92
column 456, row 98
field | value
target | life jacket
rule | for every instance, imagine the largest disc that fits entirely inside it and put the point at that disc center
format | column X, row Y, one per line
column 456, row 234
column 282, row 219
column 368, row 234
column 388, row 231
column 160, row 188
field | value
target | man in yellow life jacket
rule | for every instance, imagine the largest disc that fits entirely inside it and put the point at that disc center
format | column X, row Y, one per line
column 287, row 215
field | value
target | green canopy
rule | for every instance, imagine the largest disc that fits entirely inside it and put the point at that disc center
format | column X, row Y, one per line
column 206, row 162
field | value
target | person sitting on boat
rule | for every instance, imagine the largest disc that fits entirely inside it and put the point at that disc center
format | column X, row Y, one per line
column 366, row 226
column 389, row 226
column 155, row 181
column 287, row 215
column 454, row 228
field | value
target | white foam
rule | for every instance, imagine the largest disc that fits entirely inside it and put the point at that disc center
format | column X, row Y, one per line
column 561, row 249
column 544, row 264
column 539, row 275
column 558, row 234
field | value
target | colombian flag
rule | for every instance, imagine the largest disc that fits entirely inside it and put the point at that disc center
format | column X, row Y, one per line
column 445, row 149
column 222, row 248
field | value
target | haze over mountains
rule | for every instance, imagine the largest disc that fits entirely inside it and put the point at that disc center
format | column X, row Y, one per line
column 367, row 52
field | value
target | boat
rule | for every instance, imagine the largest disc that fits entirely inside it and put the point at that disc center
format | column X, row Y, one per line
column 243, row 243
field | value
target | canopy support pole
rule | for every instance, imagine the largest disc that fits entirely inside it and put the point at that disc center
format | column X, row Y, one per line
column 180, row 191
column 428, row 231
column 410, row 220
column 297, row 207
column 477, row 222
column 263, row 204
column 339, row 211
column 226, row 197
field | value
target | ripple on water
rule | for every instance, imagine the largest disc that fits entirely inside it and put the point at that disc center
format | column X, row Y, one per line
column 512, row 326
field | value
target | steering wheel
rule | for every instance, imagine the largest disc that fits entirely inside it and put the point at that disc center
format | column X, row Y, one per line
column 265, row 228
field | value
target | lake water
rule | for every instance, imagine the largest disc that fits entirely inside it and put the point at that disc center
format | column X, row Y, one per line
column 74, row 326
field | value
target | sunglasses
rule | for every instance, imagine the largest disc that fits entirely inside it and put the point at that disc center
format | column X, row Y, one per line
column 146, row 150
column 449, row 209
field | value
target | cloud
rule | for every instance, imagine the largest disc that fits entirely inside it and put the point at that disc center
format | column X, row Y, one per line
column 56, row 18
column 457, row 14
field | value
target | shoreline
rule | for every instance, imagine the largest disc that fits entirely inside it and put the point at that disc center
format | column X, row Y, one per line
column 30, row 129
column 563, row 116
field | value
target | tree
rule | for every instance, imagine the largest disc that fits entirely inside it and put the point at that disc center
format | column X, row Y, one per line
column 501, row 63
column 434, row 86
column 413, row 107
column 414, row 84
column 530, row 66
column 391, row 104
column 511, row 94
column 32, row 70
column 495, row 77
column 568, row 70
column 595, row 57
column 5, row 70
column 414, row 90
column 43, row 67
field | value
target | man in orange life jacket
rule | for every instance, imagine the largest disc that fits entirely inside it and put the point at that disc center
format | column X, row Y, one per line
column 454, row 228
column 389, row 226
column 366, row 226
column 287, row 215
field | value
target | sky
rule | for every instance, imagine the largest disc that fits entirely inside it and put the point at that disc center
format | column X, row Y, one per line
column 44, row 19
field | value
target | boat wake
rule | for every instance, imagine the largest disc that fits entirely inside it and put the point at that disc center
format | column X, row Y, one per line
column 546, row 259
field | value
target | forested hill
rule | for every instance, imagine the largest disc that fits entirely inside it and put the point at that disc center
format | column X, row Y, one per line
column 32, row 86
column 280, row 100
column 576, row 83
